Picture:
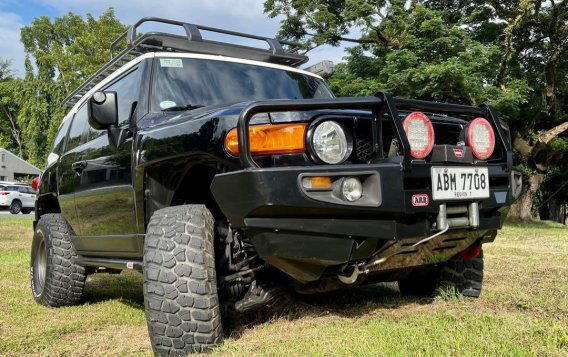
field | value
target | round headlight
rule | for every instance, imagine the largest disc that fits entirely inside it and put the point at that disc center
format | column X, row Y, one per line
column 331, row 143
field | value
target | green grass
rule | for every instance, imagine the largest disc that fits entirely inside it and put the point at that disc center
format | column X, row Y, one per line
column 523, row 311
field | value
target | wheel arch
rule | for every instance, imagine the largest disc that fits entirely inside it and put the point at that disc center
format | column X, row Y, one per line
column 174, row 184
column 46, row 203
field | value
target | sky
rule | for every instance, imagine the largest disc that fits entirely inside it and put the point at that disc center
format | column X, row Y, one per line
column 237, row 15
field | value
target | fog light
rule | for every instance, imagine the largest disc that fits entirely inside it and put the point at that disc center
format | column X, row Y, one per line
column 351, row 189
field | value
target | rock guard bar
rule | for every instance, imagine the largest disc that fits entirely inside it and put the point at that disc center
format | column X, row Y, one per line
column 378, row 104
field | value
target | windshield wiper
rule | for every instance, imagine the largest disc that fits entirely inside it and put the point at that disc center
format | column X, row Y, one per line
column 179, row 108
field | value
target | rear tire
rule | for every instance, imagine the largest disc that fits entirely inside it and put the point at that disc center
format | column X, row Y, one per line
column 15, row 207
column 463, row 274
column 466, row 276
column 55, row 278
column 180, row 286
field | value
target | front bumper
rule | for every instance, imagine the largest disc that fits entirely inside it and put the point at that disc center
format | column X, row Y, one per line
column 303, row 235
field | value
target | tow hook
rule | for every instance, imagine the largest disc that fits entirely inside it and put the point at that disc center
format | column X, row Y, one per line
column 362, row 268
column 357, row 270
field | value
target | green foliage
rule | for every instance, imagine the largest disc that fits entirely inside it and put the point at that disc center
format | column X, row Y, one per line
column 65, row 51
column 512, row 55
column 9, row 129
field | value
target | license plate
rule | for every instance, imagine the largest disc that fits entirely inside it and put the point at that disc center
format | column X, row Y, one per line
column 458, row 183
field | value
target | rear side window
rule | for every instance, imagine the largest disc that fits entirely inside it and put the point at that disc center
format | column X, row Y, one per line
column 78, row 127
column 11, row 188
column 59, row 140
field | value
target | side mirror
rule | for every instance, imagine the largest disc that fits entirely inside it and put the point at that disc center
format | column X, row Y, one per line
column 103, row 110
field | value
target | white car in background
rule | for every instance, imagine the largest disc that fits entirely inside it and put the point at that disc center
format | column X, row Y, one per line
column 17, row 198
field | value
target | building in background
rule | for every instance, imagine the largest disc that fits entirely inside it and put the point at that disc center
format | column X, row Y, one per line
column 13, row 168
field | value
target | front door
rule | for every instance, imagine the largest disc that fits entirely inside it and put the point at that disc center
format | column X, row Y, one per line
column 104, row 194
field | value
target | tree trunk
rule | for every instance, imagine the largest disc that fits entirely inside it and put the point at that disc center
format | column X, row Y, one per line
column 521, row 210
column 555, row 211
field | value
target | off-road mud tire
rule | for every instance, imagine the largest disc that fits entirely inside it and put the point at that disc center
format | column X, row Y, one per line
column 466, row 276
column 62, row 281
column 180, row 286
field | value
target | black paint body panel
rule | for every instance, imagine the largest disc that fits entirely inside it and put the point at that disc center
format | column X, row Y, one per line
column 109, row 205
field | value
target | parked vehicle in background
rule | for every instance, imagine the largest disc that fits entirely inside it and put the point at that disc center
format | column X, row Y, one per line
column 17, row 198
column 228, row 176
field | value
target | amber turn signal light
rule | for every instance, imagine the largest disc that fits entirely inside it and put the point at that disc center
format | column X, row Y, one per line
column 313, row 182
column 271, row 139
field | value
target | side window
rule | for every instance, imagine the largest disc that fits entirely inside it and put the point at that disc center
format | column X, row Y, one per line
column 23, row 189
column 60, row 137
column 78, row 127
column 127, row 90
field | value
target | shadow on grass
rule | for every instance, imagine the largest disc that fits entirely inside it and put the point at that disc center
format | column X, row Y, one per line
column 125, row 287
column 349, row 303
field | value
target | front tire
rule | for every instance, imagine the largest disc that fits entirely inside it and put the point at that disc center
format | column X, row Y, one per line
column 55, row 278
column 180, row 286
column 15, row 207
column 465, row 275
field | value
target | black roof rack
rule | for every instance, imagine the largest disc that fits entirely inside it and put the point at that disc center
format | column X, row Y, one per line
column 192, row 42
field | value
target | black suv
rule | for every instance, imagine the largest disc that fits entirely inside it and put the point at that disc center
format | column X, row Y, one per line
column 229, row 177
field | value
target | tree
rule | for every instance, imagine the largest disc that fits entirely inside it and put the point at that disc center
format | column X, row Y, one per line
column 533, row 39
column 10, row 132
column 509, row 54
column 65, row 51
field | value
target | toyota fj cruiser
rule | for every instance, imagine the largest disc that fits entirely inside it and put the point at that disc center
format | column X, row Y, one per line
column 227, row 176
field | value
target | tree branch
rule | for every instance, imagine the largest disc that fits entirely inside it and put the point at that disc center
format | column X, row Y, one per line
column 355, row 40
column 14, row 129
column 552, row 133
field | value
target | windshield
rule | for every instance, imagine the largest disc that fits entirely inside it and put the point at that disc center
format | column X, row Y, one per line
column 187, row 82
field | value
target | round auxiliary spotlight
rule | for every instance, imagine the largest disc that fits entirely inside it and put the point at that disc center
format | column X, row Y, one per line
column 480, row 138
column 420, row 134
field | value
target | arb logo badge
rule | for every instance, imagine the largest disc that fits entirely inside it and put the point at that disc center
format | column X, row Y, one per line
column 420, row 200
column 458, row 153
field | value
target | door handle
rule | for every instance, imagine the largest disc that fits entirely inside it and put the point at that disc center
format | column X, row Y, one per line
column 79, row 166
